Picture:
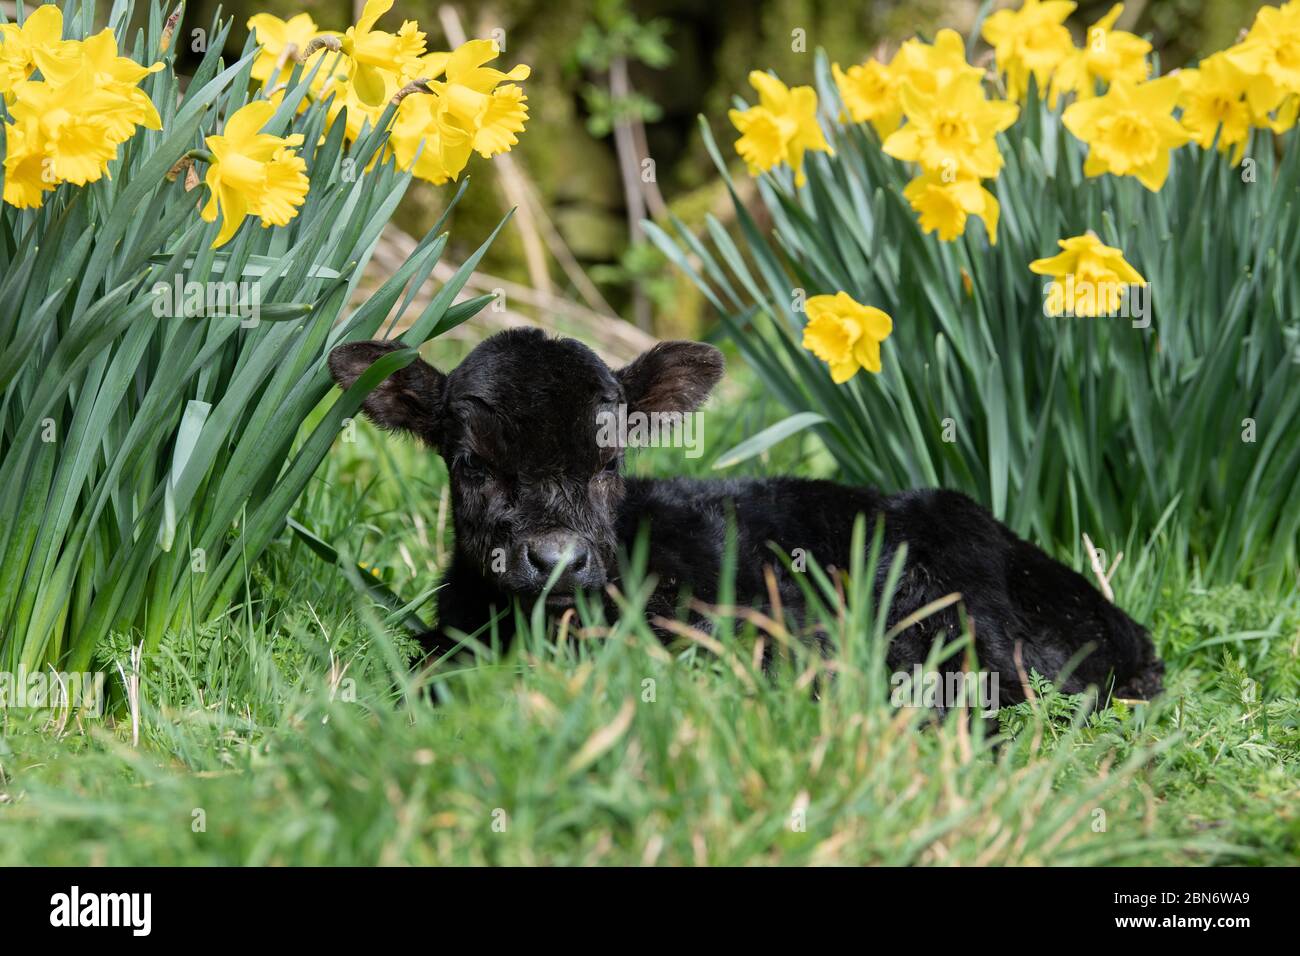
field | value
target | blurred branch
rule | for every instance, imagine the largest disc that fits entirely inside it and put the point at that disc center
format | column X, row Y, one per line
column 649, row 188
column 629, row 167
column 565, row 257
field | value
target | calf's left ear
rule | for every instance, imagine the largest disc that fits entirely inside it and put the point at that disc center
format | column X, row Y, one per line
column 671, row 377
column 408, row 400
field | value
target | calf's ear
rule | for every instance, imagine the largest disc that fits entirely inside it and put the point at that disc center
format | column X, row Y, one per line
column 408, row 400
column 671, row 377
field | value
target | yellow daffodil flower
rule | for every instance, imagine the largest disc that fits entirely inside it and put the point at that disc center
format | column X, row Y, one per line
column 1107, row 55
column 870, row 94
column 19, row 44
column 280, row 40
column 781, row 128
column 929, row 67
column 253, row 173
column 28, row 174
column 1031, row 41
column 464, row 67
column 77, row 126
column 73, row 136
column 474, row 94
column 466, row 112
column 1090, row 277
column 871, row 91
column 377, row 58
column 93, row 66
column 845, row 334
column 1270, row 56
column 67, row 125
column 1213, row 98
column 762, row 143
column 1130, row 131
column 944, row 206
column 952, row 130
column 456, row 121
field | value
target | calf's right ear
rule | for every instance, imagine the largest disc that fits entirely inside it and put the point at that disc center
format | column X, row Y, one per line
column 408, row 400
column 671, row 377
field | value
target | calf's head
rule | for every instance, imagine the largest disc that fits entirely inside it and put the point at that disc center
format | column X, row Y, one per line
column 535, row 482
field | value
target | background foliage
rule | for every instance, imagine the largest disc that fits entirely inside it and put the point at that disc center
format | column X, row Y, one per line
column 713, row 47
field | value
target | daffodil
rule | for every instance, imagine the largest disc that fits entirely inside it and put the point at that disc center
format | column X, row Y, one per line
column 781, row 128
column 1107, row 55
column 430, row 141
column 465, row 66
column 952, row 130
column 1130, row 130
column 1090, row 277
column 60, row 62
column 67, row 125
column 475, row 94
column 763, row 138
column 1031, row 41
column 929, row 67
column 1213, row 98
column 376, row 58
column 845, row 334
column 28, row 174
column 871, row 91
column 19, row 44
column 1270, row 55
column 77, row 127
column 945, row 205
column 75, row 144
column 280, row 41
column 473, row 108
column 93, row 66
column 870, row 94
column 253, row 173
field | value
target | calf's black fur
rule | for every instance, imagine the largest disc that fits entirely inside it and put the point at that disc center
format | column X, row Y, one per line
column 531, row 486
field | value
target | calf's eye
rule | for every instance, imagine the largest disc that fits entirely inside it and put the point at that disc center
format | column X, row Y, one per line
column 611, row 467
column 475, row 467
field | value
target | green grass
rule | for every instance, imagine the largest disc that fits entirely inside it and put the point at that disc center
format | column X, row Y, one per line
column 294, row 731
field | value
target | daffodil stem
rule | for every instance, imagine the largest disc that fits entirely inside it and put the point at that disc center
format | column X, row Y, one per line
column 317, row 43
column 415, row 86
column 289, row 52
column 186, row 163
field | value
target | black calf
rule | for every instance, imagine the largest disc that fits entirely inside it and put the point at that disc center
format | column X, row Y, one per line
column 533, row 486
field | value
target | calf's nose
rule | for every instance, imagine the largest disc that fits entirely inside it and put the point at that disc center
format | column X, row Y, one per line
column 545, row 551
